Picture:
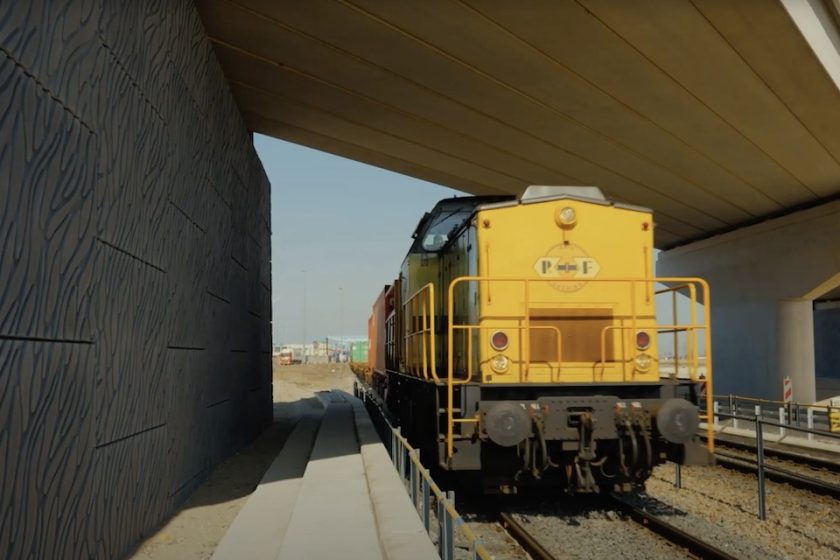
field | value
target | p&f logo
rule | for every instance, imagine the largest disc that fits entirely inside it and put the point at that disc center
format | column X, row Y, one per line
column 580, row 267
column 568, row 263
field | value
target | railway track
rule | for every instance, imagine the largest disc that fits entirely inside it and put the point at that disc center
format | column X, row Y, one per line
column 814, row 474
column 693, row 546
column 778, row 474
column 527, row 541
column 781, row 454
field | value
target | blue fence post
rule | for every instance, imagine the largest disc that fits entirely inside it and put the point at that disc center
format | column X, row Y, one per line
column 412, row 479
column 426, row 503
column 759, row 451
column 441, row 512
column 449, row 551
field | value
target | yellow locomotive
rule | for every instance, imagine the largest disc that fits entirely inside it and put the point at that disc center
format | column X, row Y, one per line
column 518, row 345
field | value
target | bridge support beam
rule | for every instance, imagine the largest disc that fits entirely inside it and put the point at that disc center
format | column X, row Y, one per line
column 764, row 281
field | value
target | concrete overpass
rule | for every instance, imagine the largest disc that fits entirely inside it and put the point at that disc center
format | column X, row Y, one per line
column 718, row 115
column 134, row 231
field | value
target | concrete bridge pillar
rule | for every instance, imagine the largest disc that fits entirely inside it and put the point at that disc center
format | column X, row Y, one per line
column 764, row 281
column 795, row 346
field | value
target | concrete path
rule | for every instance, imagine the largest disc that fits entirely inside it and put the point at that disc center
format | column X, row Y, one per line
column 336, row 495
column 333, row 516
column 261, row 525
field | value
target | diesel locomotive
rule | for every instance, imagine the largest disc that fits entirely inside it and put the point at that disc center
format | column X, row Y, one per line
column 520, row 345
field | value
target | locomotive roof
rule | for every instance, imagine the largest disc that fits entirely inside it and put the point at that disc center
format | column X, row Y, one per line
column 451, row 215
column 546, row 193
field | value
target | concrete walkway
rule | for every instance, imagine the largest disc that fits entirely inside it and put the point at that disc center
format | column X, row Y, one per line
column 331, row 495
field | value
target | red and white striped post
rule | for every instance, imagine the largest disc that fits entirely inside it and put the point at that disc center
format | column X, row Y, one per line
column 787, row 394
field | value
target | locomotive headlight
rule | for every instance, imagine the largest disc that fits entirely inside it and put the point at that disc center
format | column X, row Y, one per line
column 643, row 362
column 499, row 363
column 499, row 341
column 566, row 216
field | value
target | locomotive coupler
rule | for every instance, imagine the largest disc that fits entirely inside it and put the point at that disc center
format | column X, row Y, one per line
column 583, row 461
column 535, row 447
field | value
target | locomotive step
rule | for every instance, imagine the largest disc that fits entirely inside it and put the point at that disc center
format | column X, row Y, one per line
column 455, row 437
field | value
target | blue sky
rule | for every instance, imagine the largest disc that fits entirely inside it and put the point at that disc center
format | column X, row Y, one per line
column 347, row 224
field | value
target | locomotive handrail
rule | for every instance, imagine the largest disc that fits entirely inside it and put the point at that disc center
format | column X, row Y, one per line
column 450, row 378
column 692, row 295
column 660, row 329
column 427, row 330
column 390, row 337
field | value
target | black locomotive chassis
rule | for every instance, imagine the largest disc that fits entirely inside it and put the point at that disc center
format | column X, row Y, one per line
column 618, row 418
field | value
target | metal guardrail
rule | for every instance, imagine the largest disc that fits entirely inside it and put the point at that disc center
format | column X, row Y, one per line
column 423, row 490
column 813, row 417
column 761, row 468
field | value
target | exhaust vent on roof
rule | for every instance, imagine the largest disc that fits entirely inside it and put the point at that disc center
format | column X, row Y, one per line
column 550, row 191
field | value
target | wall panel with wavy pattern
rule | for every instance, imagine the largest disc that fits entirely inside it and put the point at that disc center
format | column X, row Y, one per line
column 135, row 299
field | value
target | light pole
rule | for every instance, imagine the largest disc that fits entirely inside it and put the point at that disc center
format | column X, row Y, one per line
column 341, row 319
column 305, row 357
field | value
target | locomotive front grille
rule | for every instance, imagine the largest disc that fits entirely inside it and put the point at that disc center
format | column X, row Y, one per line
column 580, row 334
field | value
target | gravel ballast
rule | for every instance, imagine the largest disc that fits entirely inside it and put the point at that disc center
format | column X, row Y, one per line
column 721, row 506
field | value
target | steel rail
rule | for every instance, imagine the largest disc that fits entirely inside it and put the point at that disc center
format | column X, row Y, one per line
column 692, row 544
column 524, row 538
column 777, row 474
column 783, row 454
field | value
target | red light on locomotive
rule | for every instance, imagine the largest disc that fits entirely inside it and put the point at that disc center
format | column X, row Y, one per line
column 499, row 340
column 642, row 340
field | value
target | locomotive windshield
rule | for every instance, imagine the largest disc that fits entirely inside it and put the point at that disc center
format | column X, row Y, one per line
column 435, row 229
column 439, row 230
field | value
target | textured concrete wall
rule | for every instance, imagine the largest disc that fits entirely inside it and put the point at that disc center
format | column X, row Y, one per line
column 134, row 273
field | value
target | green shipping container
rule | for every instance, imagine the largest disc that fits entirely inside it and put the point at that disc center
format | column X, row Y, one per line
column 359, row 352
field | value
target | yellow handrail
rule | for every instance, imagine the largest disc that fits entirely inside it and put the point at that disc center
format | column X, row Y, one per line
column 390, row 338
column 424, row 299
column 660, row 329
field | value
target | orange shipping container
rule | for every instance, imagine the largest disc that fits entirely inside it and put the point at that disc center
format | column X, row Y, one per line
column 376, row 331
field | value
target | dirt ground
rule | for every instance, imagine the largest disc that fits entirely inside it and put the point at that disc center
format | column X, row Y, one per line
column 197, row 527
column 292, row 383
